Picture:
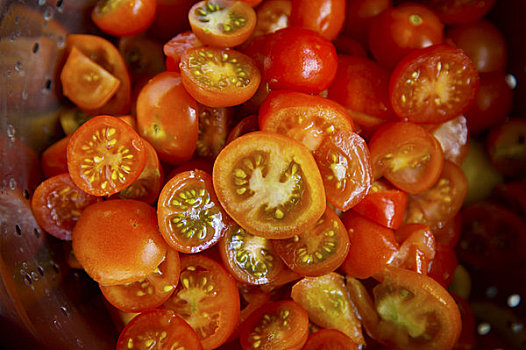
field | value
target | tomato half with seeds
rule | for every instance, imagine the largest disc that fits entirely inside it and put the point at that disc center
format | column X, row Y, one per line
column 329, row 339
column 189, row 214
column 250, row 259
column 269, row 184
column 407, row 155
column 275, row 325
column 105, row 155
column 57, row 204
column 148, row 293
column 207, row 298
column 160, row 329
column 433, row 85
column 306, row 118
column 124, row 17
column 219, row 77
column 318, row 250
column 222, row 23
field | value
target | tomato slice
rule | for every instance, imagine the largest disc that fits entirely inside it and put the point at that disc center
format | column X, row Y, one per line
column 318, row 250
column 407, row 155
column 207, row 298
column 269, row 184
column 329, row 339
column 105, row 155
column 250, row 259
column 433, row 85
column 328, row 305
column 124, row 17
column 148, row 293
column 222, row 23
column 189, row 214
column 160, row 329
column 275, row 325
column 57, row 204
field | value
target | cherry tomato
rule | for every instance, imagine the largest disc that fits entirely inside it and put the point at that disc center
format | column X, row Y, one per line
column 328, row 305
column 143, row 56
column 453, row 138
column 176, row 47
column 54, row 158
column 269, row 184
column 219, row 77
column 433, row 85
column 207, row 298
column 325, row 17
column 460, row 11
column 359, row 16
column 244, row 126
column 329, row 339
column 345, row 45
column 159, row 328
column 299, row 59
column 275, row 325
column 214, row 125
column 316, row 251
column 118, row 241
column 417, row 248
column 407, row 155
column 57, row 204
column 271, row 16
column 397, row 31
column 443, row 266
column 167, row 118
column 449, row 233
column 124, row 17
column 506, row 146
column 222, row 23
column 189, row 214
column 105, row 155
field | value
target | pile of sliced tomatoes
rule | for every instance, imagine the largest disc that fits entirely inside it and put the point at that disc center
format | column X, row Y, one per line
column 284, row 174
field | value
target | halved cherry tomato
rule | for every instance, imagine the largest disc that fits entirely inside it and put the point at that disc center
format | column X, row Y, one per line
column 271, row 16
column 222, row 23
column 176, row 47
column 460, row 11
column 207, row 298
column 219, row 77
column 214, row 125
column 105, row 155
column 417, row 248
column 328, row 305
column 162, row 329
column 275, row 325
column 148, row 293
column 189, row 214
column 269, row 184
column 250, row 259
column 124, row 17
column 57, row 204
column 318, row 250
column 407, row 155
column 433, row 85
column 306, row 118
column 253, row 299
column 506, row 146
column 54, row 158
column 323, row 16
column 167, row 117
column 453, row 138
column 345, row 166
column 118, row 241
column 329, row 339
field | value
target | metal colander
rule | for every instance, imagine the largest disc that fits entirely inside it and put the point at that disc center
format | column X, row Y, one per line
column 45, row 304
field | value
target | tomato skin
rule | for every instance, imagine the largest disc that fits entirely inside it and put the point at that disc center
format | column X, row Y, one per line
column 124, row 18
column 443, row 265
column 329, row 339
column 54, row 158
column 143, row 56
column 299, row 59
column 323, row 16
column 460, row 12
column 359, row 16
column 244, row 126
column 167, row 118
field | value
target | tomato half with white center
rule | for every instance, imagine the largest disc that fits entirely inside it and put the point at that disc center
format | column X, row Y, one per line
column 407, row 155
column 433, row 85
column 269, row 184
column 189, row 214
column 207, row 298
column 105, row 155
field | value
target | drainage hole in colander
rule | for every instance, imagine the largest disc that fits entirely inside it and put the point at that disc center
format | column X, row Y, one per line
column 59, row 4
column 35, row 47
column 48, row 84
column 18, row 230
column 26, row 194
column 37, row 233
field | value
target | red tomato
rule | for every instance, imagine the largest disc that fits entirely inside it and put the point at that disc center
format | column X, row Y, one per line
column 453, row 138
column 189, row 215
column 57, row 204
column 417, row 248
column 219, row 77
column 397, row 31
column 148, row 293
column 467, row 340
column 54, row 158
column 307, row 118
column 328, row 305
column 299, row 59
column 325, row 17
column 316, row 251
column 359, row 16
column 124, row 18
column 345, row 166
column 372, row 246
column 345, row 45
column 443, row 265
column 167, row 118
column 460, row 11
column 244, row 126
column 506, row 147
column 118, row 241
column 269, row 184
column 329, row 339
column 143, row 56
column 433, row 85
column 275, row 325
column 407, row 155
column 105, row 155
column 449, row 233
column 159, row 328
column 207, row 298
column 271, row 16
column 214, row 125
column 175, row 48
